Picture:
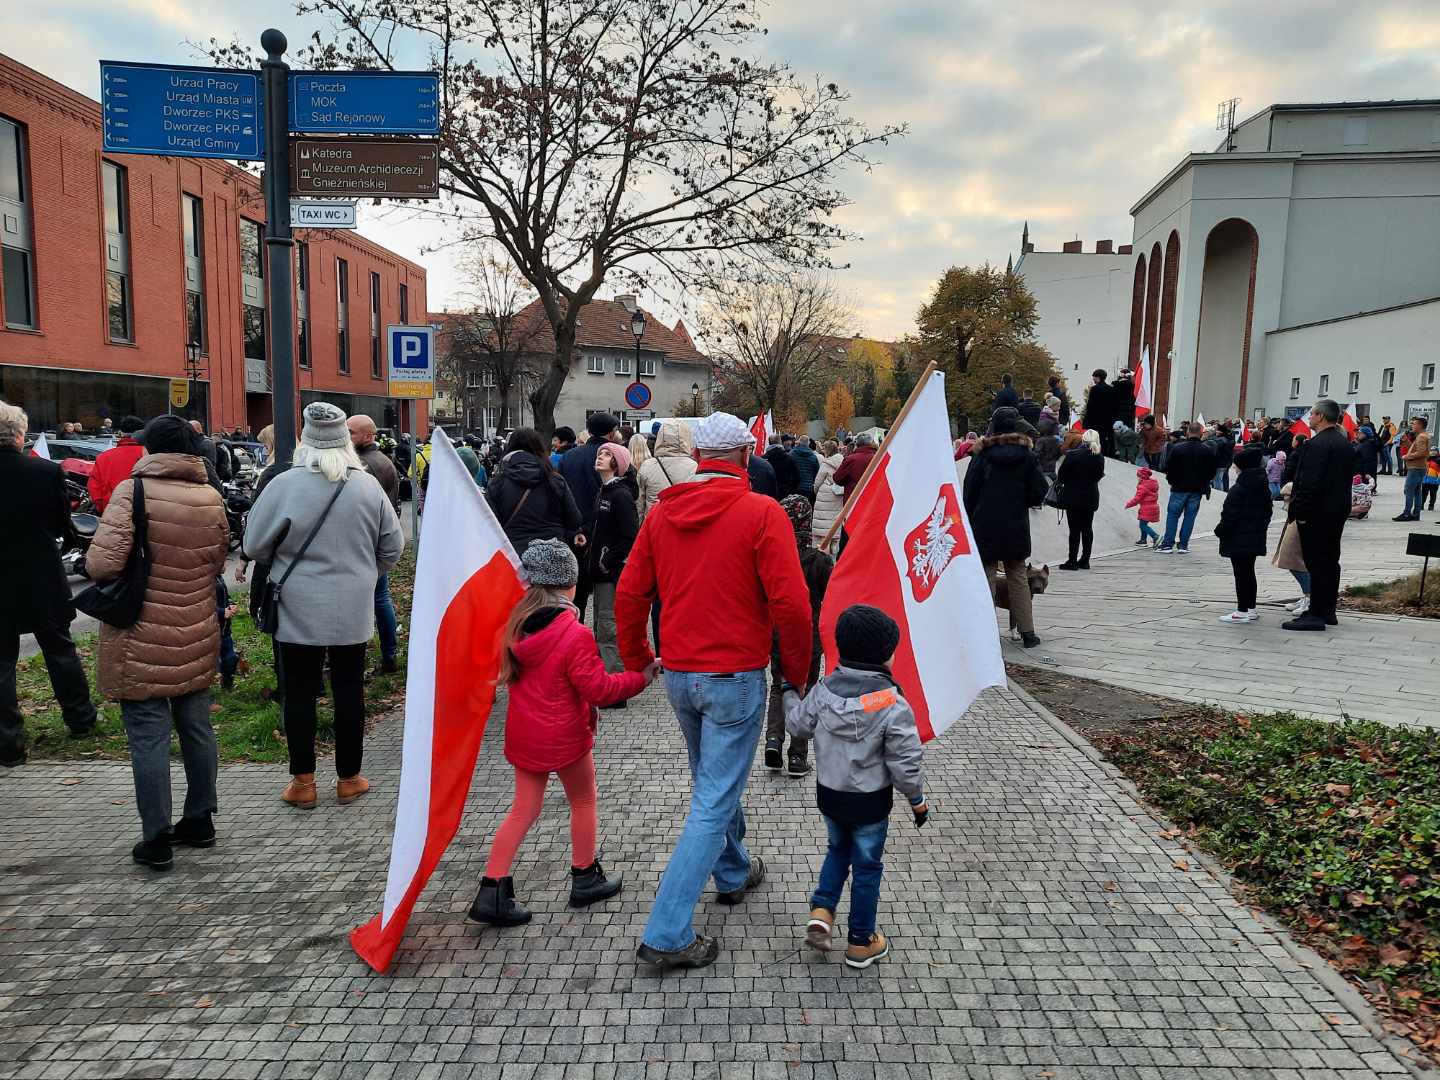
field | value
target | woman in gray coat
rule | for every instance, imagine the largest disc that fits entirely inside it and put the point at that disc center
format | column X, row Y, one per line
column 327, row 603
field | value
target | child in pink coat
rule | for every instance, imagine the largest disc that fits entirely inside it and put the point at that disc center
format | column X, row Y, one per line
column 1147, row 498
column 556, row 679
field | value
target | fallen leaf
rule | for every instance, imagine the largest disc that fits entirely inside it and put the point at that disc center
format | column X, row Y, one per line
column 1407, row 995
column 205, row 1002
column 71, row 781
column 1393, row 955
column 1331, row 1018
column 215, row 706
column 1110, row 886
column 1337, row 789
column 1356, row 898
column 1171, row 834
column 1181, row 864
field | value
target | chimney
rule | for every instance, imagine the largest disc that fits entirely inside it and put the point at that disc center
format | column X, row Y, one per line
column 1104, row 247
column 1071, row 247
column 1126, row 249
column 627, row 302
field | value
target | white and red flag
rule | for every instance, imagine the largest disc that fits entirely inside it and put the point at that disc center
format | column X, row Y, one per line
column 911, row 554
column 40, row 447
column 1351, row 422
column 762, row 427
column 1078, row 425
column 1300, row 427
column 467, row 581
column 1143, row 379
column 1200, row 419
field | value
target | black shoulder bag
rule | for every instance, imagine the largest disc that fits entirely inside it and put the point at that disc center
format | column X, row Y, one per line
column 117, row 603
column 268, row 618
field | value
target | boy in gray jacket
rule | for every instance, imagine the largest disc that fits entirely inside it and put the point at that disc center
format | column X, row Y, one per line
column 866, row 745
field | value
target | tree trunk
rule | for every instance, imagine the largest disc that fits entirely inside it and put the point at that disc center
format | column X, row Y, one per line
column 544, row 397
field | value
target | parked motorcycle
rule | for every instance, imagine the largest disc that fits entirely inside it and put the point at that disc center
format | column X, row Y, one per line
column 74, row 547
column 237, row 509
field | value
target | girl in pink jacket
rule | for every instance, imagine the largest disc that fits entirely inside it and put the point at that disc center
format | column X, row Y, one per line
column 1147, row 498
column 556, row 680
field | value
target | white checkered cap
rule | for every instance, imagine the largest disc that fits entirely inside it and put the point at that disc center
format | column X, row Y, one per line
column 722, row 431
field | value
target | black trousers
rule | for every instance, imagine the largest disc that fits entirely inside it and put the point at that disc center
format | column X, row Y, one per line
column 1082, row 532
column 1107, row 440
column 304, row 682
column 67, row 677
column 584, row 586
column 1320, row 547
column 1246, row 588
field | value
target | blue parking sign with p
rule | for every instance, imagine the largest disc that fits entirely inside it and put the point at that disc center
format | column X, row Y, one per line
column 412, row 358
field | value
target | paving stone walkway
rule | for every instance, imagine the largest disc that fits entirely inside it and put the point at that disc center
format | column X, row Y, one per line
column 1041, row 927
column 1147, row 621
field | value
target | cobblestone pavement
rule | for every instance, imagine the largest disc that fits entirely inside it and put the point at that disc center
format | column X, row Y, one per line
column 1042, row 928
column 1147, row 621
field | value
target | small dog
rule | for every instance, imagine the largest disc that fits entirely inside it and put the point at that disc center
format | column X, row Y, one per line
column 1037, row 578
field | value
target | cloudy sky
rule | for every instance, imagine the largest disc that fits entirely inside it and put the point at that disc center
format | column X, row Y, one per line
column 1056, row 112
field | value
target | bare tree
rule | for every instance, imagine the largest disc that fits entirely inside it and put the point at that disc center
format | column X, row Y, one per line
column 629, row 138
column 495, row 338
column 771, row 340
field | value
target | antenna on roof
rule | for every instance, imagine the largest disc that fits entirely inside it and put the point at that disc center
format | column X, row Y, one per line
column 1225, row 121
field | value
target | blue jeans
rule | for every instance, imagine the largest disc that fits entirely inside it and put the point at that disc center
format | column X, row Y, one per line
column 1414, row 480
column 857, row 850
column 1274, row 490
column 1147, row 532
column 1302, row 578
column 1222, row 479
column 720, row 717
column 147, row 728
column 385, row 621
column 1181, row 502
column 229, row 658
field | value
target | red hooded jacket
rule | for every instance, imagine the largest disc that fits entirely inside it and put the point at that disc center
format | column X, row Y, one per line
column 724, row 564
column 551, row 719
column 111, row 467
column 1147, row 496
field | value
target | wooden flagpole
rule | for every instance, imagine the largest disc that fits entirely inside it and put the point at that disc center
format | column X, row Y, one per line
column 839, row 521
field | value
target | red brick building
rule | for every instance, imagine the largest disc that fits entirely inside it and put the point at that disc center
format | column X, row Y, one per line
column 112, row 266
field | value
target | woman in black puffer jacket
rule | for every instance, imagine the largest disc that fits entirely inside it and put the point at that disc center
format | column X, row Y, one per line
column 1243, row 528
column 1079, row 482
column 530, row 499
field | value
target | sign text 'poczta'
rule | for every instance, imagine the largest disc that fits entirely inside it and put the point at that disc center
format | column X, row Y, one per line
column 365, row 168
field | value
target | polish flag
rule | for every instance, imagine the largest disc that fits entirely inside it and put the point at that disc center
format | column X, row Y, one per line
column 1078, row 425
column 1300, row 427
column 1351, row 422
column 467, row 580
column 762, row 427
column 41, row 447
column 910, row 554
column 1142, row 384
column 1200, row 419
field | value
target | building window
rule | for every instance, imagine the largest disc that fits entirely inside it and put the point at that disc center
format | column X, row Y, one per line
column 342, row 313
column 17, row 253
column 118, row 298
column 193, row 212
column 1294, row 389
column 1427, row 376
column 647, row 367
column 1387, row 380
column 302, row 302
column 254, row 328
column 1324, row 385
column 250, row 249
column 374, row 325
column 404, row 305
column 472, row 380
column 595, row 365
column 622, row 365
column 488, row 380
column 1352, row 385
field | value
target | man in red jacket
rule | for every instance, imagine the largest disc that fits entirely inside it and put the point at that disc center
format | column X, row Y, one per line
column 115, row 464
column 723, row 563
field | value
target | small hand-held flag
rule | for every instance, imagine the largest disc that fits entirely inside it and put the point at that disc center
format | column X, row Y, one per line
column 41, row 447
column 1351, row 422
column 1200, row 419
column 1143, row 394
column 1078, row 425
column 1300, row 427
column 911, row 554
column 467, row 581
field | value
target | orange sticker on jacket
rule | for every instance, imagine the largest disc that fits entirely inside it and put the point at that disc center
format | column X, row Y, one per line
column 880, row 699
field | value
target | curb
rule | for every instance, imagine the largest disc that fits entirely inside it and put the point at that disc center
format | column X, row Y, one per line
column 1354, row 1002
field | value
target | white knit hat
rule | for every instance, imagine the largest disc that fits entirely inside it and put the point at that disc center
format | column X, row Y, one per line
column 722, row 431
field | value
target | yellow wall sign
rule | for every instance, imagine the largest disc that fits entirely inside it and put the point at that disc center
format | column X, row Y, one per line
column 179, row 393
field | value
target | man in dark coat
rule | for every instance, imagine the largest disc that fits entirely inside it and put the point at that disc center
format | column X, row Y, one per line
column 1100, row 411
column 34, row 594
column 578, row 469
column 762, row 477
column 1029, row 410
column 1320, row 506
column 787, row 474
column 1190, row 470
column 1006, row 397
column 1122, row 393
column 1002, row 482
column 807, row 462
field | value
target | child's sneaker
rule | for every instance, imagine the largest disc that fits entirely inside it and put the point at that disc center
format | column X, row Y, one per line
column 862, row 956
column 817, row 930
column 774, row 760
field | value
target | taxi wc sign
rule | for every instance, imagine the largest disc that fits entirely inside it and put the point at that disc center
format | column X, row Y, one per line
column 411, row 351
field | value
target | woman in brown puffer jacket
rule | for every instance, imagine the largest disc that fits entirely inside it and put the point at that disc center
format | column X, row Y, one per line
column 160, row 669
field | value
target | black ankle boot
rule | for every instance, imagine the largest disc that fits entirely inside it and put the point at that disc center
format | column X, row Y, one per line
column 495, row 904
column 590, row 885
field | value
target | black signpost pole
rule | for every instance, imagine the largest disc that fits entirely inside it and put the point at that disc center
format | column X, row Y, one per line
column 279, row 242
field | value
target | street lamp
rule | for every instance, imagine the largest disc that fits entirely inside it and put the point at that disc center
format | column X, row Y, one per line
column 637, row 327
column 695, row 399
column 193, row 371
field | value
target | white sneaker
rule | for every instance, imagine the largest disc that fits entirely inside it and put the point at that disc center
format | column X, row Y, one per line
column 1301, row 606
column 1239, row 617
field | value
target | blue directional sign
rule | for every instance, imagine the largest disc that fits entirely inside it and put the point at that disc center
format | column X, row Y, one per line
column 365, row 102
column 181, row 111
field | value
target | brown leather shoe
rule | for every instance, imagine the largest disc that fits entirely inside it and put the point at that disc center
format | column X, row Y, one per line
column 300, row 792
column 862, row 956
column 348, row 790
column 817, row 930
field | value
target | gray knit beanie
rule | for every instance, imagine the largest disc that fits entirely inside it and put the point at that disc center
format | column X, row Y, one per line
column 324, row 427
column 550, row 563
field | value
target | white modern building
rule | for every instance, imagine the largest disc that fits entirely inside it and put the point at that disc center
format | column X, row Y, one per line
column 1301, row 259
column 1083, row 302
